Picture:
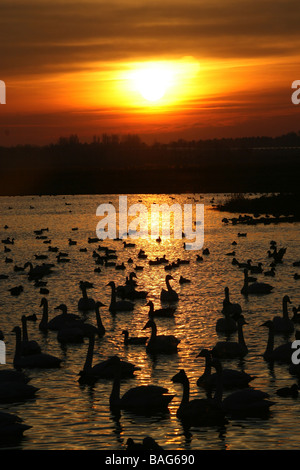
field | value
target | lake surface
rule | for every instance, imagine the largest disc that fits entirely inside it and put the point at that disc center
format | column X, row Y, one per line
column 67, row 416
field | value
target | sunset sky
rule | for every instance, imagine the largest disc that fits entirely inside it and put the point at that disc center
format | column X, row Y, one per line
column 223, row 68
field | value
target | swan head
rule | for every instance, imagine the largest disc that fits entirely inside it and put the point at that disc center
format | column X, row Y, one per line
column 99, row 304
column 286, row 299
column 240, row 319
column 44, row 301
column 169, row 277
column 131, row 275
column 149, row 324
column 149, row 304
column 16, row 330
column 268, row 324
column 111, row 284
column 204, row 353
column 180, row 377
column 61, row 307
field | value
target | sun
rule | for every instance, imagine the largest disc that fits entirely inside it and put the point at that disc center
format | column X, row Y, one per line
column 153, row 81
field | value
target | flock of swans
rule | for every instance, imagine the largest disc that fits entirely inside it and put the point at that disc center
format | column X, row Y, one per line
column 242, row 398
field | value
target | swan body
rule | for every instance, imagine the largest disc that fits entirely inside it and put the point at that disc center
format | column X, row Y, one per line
column 281, row 353
column 229, row 307
column 161, row 312
column 142, row 399
column 134, row 340
column 231, row 378
column 85, row 303
column 106, row 369
column 232, row 349
column 166, row 344
column 11, row 427
column 255, row 287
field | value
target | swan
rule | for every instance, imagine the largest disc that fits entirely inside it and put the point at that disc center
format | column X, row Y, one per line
column 12, row 375
column 296, row 316
column 232, row 349
column 197, row 412
column 121, row 305
column 11, row 426
column 292, row 391
column 167, row 312
column 247, row 402
column 16, row 391
column 256, row 287
column 184, row 280
column 28, row 347
column 166, row 344
column 41, row 360
column 284, row 324
column 229, row 307
column 231, row 378
column 105, row 369
column 61, row 320
column 282, row 353
column 85, row 303
column 138, row 340
column 270, row 273
column 168, row 295
column 142, row 399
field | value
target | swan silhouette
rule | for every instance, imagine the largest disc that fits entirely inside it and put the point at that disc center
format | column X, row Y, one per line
column 281, row 353
column 120, row 305
column 85, row 303
column 247, row 402
column 41, row 360
column 255, row 287
column 168, row 295
column 28, row 347
column 232, row 349
column 284, row 324
column 166, row 344
column 142, row 399
column 134, row 340
column 105, row 369
column 161, row 312
column 200, row 411
column 231, row 378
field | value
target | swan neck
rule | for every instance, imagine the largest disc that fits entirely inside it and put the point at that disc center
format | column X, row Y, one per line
column 153, row 332
column 285, row 309
column 17, row 356
column 89, row 356
column 98, row 318
column 219, row 387
column 207, row 369
column 186, row 393
column 241, row 339
column 114, row 399
column 24, row 329
column 270, row 343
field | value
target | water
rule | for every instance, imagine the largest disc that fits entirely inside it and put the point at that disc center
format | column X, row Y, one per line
column 67, row 416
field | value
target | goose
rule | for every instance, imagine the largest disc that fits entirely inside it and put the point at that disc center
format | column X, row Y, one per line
column 41, row 360
column 134, row 340
column 168, row 295
column 281, row 353
column 231, row 378
column 121, row 305
column 197, row 412
column 11, row 427
column 105, row 369
column 28, row 347
column 270, row 273
column 232, row 349
column 247, row 402
column 166, row 344
column 167, row 312
column 85, row 303
column 256, row 287
column 229, row 307
column 284, row 324
column 143, row 399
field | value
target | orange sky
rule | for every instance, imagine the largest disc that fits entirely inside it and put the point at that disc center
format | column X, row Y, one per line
column 69, row 68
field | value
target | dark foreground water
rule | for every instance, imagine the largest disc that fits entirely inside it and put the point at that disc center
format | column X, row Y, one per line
column 64, row 414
